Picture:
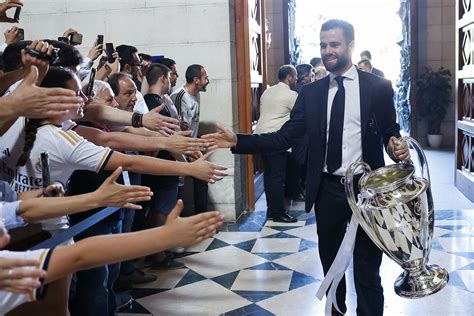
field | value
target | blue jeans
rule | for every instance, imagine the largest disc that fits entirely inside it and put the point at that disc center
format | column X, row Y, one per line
column 94, row 293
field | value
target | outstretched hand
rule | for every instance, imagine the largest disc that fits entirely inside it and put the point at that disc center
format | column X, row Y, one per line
column 160, row 123
column 188, row 231
column 34, row 102
column 207, row 171
column 183, row 143
column 111, row 193
column 19, row 275
column 223, row 138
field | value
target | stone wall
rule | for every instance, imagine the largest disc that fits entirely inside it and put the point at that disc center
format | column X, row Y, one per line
column 189, row 31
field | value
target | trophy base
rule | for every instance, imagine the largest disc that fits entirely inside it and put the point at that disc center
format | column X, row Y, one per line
column 420, row 283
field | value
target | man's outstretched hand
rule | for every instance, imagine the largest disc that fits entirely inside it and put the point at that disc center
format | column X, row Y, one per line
column 223, row 138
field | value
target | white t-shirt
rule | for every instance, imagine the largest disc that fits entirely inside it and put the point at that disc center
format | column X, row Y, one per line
column 9, row 300
column 188, row 107
column 67, row 152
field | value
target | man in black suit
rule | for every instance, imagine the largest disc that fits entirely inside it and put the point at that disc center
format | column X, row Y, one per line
column 366, row 58
column 349, row 116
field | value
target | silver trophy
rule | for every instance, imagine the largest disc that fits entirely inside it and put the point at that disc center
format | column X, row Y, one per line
column 395, row 209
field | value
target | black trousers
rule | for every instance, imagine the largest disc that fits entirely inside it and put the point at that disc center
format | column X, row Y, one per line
column 332, row 216
column 274, row 182
column 201, row 189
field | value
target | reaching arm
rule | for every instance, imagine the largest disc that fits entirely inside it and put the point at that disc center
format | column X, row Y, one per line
column 177, row 143
column 97, row 251
column 31, row 101
column 152, row 120
column 108, row 194
column 201, row 168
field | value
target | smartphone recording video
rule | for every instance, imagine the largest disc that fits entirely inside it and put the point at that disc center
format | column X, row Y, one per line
column 100, row 39
column 90, row 85
column 109, row 48
column 75, row 39
column 17, row 14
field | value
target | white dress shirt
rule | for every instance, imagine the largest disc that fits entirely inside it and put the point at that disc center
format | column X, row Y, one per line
column 351, row 135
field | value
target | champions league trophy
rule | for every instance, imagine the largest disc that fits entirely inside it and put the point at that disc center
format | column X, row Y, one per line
column 395, row 209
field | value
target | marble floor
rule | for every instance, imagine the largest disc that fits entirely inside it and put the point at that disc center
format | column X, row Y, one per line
column 258, row 267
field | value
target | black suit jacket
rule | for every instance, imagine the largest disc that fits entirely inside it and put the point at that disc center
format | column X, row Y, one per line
column 309, row 116
column 378, row 72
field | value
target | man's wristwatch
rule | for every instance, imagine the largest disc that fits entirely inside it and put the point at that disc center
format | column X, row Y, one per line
column 137, row 119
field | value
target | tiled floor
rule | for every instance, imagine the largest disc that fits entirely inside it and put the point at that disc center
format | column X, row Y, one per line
column 257, row 267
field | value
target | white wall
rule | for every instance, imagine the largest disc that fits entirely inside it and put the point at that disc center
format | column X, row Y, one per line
column 192, row 31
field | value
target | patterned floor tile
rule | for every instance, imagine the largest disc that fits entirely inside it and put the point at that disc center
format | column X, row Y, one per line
column 271, row 223
column 224, row 260
column 202, row 246
column 262, row 280
column 190, row 278
column 167, row 279
column 257, row 296
column 238, row 237
column 265, row 245
column 201, row 298
column 226, row 280
column 450, row 262
column 269, row 266
column 467, row 276
column 306, row 262
column 248, row 310
column 463, row 244
column 307, row 232
column 216, row 244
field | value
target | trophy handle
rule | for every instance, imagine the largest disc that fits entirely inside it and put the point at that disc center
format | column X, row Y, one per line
column 349, row 186
column 423, row 163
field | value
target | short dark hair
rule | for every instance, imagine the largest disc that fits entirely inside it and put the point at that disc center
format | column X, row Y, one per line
column 193, row 71
column 68, row 55
column 367, row 54
column 56, row 77
column 315, row 61
column 155, row 72
column 12, row 55
column 303, row 70
column 126, row 55
column 346, row 27
column 168, row 62
column 144, row 56
column 114, row 81
column 285, row 71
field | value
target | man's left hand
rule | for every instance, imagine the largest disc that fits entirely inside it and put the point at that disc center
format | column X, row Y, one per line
column 398, row 149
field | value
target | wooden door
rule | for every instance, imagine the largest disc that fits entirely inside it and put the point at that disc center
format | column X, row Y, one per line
column 464, row 85
column 251, row 72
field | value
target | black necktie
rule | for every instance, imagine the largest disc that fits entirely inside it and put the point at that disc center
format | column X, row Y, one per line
column 336, row 125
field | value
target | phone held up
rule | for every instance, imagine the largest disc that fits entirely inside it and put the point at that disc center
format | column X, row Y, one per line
column 16, row 17
column 90, row 85
column 75, row 39
column 109, row 48
column 21, row 34
column 100, row 39
column 45, row 172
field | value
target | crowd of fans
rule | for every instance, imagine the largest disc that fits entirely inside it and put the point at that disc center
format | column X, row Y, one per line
column 79, row 133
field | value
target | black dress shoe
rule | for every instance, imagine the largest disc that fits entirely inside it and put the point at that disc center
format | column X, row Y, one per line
column 284, row 218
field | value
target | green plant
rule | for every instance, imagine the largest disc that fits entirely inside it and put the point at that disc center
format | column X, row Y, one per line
column 433, row 96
